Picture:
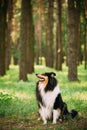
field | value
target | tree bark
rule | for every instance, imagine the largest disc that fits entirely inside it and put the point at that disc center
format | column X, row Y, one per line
column 58, row 37
column 72, row 42
column 38, row 30
column 23, row 43
column 86, row 35
column 8, row 32
column 49, row 35
column 29, row 37
column 3, row 11
column 79, row 55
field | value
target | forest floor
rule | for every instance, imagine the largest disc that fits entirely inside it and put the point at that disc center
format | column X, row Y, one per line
column 32, row 123
column 18, row 106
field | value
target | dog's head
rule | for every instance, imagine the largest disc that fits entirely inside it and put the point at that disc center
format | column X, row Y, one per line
column 47, row 80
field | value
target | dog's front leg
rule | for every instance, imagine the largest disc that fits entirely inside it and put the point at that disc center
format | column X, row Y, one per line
column 56, row 115
column 43, row 116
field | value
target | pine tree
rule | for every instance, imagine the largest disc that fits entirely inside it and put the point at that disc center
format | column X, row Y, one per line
column 72, row 41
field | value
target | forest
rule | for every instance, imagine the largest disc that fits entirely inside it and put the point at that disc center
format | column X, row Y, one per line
column 38, row 36
column 43, row 32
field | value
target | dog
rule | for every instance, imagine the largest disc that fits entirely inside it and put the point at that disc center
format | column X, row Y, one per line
column 49, row 99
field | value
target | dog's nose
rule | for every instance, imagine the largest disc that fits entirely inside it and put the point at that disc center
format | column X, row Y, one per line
column 36, row 74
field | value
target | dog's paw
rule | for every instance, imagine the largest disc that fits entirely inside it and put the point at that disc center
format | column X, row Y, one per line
column 54, row 122
column 45, row 122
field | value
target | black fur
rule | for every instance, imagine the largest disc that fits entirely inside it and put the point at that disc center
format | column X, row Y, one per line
column 38, row 96
column 58, row 102
column 51, row 83
column 61, row 105
column 73, row 113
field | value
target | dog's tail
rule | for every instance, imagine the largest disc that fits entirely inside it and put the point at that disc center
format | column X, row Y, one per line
column 72, row 113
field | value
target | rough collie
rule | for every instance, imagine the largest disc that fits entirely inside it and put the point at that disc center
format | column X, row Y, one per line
column 50, row 103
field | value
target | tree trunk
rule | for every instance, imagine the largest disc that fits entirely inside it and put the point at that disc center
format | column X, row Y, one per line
column 58, row 37
column 49, row 35
column 29, row 37
column 47, row 50
column 72, row 42
column 86, row 34
column 79, row 55
column 23, row 42
column 3, row 10
column 8, row 32
column 85, row 47
column 38, row 29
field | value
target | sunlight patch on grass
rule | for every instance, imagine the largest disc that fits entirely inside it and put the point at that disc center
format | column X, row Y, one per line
column 23, row 95
column 83, row 84
column 80, row 96
column 4, row 77
column 6, row 91
column 8, row 82
column 3, row 91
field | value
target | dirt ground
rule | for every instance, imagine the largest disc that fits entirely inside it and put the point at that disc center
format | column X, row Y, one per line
column 31, row 123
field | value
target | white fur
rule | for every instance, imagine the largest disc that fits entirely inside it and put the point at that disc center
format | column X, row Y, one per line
column 45, row 113
column 48, row 99
column 56, row 114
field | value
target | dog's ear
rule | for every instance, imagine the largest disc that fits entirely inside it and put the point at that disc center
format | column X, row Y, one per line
column 53, row 74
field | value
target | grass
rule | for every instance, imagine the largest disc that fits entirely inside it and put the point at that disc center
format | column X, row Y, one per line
column 18, row 106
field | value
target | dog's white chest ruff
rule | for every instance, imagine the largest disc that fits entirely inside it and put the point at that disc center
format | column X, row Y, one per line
column 48, row 98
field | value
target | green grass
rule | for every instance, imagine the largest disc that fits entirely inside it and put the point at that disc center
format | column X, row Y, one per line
column 18, row 106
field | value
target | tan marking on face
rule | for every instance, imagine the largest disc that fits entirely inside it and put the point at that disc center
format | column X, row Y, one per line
column 44, row 80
